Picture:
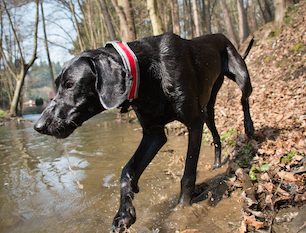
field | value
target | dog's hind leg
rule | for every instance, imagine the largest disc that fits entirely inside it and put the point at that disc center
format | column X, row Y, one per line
column 210, row 121
column 153, row 139
column 189, row 176
column 237, row 71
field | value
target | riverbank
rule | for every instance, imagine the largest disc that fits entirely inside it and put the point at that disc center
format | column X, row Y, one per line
column 270, row 169
column 4, row 117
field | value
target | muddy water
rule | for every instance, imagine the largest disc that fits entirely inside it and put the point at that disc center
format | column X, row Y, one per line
column 71, row 185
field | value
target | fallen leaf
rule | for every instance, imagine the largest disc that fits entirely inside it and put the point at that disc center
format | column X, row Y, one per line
column 282, row 192
column 268, row 200
column 265, row 177
column 288, row 176
column 243, row 227
column 251, row 220
column 268, row 186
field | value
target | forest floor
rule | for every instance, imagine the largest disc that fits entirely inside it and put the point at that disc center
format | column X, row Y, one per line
column 269, row 169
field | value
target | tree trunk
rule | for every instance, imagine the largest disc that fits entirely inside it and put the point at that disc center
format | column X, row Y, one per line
column 124, row 11
column 252, row 16
column 15, row 101
column 155, row 18
column 47, row 47
column 196, row 18
column 188, row 25
column 23, row 67
column 164, row 12
column 243, row 21
column 175, row 17
column 280, row 9
column 265, row 10
column 76, row 25
column 228, row 23
column 128, row 9
column 207, row 16
column 108, row 20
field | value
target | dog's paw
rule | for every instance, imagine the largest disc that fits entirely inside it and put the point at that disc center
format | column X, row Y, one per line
column 216, row 165
column 124, row 219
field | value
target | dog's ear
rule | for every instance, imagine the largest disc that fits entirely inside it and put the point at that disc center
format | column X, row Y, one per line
column 113, row 82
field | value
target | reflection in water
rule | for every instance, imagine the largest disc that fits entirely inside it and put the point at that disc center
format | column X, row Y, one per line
column 38, row 190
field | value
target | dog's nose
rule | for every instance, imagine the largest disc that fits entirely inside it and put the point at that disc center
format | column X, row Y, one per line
column 40, row 126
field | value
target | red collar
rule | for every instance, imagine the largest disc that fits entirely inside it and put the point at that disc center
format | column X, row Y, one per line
column 130, row 63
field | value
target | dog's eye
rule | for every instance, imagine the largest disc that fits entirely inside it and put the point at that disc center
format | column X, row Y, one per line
column 68, row 84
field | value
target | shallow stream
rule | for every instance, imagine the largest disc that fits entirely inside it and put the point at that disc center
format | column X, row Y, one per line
column 71, row 185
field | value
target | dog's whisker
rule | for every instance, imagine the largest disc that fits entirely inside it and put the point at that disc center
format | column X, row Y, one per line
column 75, row 124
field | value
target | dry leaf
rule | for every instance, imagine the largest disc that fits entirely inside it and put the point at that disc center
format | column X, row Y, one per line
column 288, row 176
column 265, row 177
column 268, row 186
column 251, row 220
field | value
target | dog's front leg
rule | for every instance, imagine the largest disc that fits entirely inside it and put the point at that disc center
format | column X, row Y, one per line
column 189, row 177
column 153, row 139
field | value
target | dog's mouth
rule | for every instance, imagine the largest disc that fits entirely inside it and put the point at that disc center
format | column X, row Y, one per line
column 58, row 129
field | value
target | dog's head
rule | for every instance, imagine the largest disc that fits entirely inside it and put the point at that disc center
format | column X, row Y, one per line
column 87, row 86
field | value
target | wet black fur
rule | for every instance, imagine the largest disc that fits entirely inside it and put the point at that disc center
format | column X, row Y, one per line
column 180, row 80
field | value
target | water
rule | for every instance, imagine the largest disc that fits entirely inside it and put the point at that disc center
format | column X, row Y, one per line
column 71, row 185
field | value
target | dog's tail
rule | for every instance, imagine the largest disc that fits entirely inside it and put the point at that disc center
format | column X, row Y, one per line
column 246, row 53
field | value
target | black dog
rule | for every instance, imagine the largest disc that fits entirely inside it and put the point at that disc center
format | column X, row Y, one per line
column 179, row 80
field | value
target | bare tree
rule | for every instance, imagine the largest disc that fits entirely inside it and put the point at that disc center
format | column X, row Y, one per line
column 155, row 17
column 175, row 17
column 47, row 46
column 280, row 9
column 228, row 23
column 196, row 18
column 19, row 71
column 243, row 21
column 76, row 25
column 252, row 16
column 207, row 15
column 108, row 20
column 265, row 10
column 188, row 27
column 124, row 11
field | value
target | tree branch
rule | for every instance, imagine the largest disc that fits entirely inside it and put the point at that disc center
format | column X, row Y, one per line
column 34, row 54
column 8, row 65
column 14, row 32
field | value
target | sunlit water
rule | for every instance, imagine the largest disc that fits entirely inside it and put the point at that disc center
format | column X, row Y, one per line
column 72, row 185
